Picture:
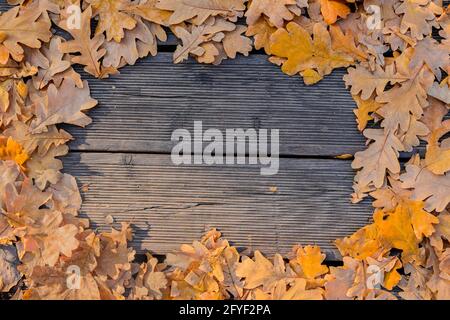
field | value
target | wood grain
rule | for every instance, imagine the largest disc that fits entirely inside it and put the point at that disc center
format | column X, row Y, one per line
column 307, row 202
column 140, row 108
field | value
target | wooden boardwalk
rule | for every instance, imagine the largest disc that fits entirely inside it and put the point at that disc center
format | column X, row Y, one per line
column 123, row 158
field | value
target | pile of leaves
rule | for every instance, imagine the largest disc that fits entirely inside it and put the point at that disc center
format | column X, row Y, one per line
column 397, row 74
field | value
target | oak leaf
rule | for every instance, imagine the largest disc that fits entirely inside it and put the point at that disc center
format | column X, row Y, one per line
column 22, row 27
column 113, row 18
column 437, row 157
column 308, row 262
column 63, row 105
column 40, row 142
column 261, row 31
column 304, row 53
column 362, row 244
column 12, row 150
column 89, row 49
column 66, row 197
column 201, row 10
column 46, row 168
column 368, row 82
column 418, row 17
column 54, row 66
column 234, row 42
column 427, row 186
column 364, row 110
column 405, row 227
column 276, row 11
column 137, row 43
column 150, row 281
column 333, row 9
column 442, row 231
column 380, row 156
column 12, row 101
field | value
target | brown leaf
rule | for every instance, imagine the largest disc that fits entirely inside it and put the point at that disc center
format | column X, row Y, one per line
column 89, row 49
column 22, row 27
column 113, row 18
column 200, row 10
column 46, row 169
column 40, row 142
column 63, row 105
column 380, row 156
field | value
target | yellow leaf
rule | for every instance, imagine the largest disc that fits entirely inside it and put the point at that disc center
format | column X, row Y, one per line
column 396, row 231
column 437, row 158
column 392, row 278
column 261, row 30
column 332, row 9
column 310, row 260
column 421, row 220
column 313, row 58
column 362, row 244
column 405, row 227
column 311, row 76
column 11, row 150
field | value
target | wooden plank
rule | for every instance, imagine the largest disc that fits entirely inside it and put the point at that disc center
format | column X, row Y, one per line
column 140, row 108
column 170, row 205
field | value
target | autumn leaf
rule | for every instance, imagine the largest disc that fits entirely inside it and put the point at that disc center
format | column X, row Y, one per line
column 89, row 49
column 399, row 80
column 308, row 262
column 201, row 10
column 276, row 11
column 405, row 227
column 40, row 142
column 148, row 11
column 63, row 104
column 332, row 9
column 113, row 18
column 12, row 101
column 261, row 272
column 25, row 27
column 362, row 244
column 418, row 17
column 367, row 82
column 442, row 232
column 11, row 150
column 364, row 111
column 150, row 281
column 304, row 53
column 380, row 156
column 345, row 42
column 137, row 43
column 427, row 186
column 437, row 157
column 66, row 197
column 46, row 168
column 54, row 66
column 261, row 31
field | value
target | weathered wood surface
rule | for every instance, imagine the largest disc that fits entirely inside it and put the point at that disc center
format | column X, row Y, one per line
column 171, row 205
column 140, row 108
